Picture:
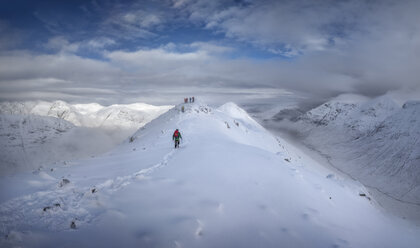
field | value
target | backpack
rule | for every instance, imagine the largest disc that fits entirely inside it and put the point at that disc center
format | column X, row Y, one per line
column 176, row 134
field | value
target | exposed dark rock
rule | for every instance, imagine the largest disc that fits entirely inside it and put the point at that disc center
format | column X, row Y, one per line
column 64, row 182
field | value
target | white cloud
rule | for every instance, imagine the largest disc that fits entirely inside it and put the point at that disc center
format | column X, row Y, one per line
column 23, row 72
column 210, row 47
column 179, row 3
column 99, row 43
column 141, row 18
column 337, row 46
column 132, row 21
column 164, row 73
column 61, row 44
column 155, row 59
column 129, row 17
column 302, row 26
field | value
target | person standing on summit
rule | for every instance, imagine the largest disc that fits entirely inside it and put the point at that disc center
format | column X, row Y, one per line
column 175, row 137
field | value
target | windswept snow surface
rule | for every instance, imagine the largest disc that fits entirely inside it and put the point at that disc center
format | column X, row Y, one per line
column 230, row 184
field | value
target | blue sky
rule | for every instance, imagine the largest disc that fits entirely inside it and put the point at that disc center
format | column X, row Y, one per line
column 124, row 27
column 156, row 51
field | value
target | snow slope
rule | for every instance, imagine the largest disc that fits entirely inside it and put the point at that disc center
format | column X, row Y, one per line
column 29, row 142
column 23, row 137
column 375, row 141
column 230, row 184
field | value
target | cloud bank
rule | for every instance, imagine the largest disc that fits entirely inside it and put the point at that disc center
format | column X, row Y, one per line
column 235, row 49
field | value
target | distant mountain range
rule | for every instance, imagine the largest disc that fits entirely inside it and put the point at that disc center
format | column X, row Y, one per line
column 35, row 134
column 129, row 116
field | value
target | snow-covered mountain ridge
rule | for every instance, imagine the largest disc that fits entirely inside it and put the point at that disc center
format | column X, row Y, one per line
column 34, row 134
column 230, row 184
column 126, row 116
column 375, row 141
column 356, row 116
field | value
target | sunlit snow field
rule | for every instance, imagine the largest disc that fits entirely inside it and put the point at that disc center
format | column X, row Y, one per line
column 230, row 184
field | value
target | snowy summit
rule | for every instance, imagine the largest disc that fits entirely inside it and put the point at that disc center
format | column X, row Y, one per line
column 230, row 184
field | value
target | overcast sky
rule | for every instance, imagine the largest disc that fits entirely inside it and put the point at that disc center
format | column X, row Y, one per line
column 114, row 51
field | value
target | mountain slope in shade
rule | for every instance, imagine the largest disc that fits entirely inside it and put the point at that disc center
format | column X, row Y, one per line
column 26, row 140
column 375, row 141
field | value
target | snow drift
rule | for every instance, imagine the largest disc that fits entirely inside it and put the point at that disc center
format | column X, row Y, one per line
column 230, row 184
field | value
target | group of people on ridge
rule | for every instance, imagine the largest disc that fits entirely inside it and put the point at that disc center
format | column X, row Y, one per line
column 176, row 137
column 177, row 134
column 188, row 99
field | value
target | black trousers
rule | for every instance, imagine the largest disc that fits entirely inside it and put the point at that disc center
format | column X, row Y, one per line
column 176, row 143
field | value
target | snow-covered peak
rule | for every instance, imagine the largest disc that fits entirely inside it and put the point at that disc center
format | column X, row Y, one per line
column 198, row 121
column 359, row 116
column 88, row 108
column 383, row 105
column 328, row 113
column 349, row 98
column 233, row 110
column 369, row 114
column 404, row 123
column 125, row 116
